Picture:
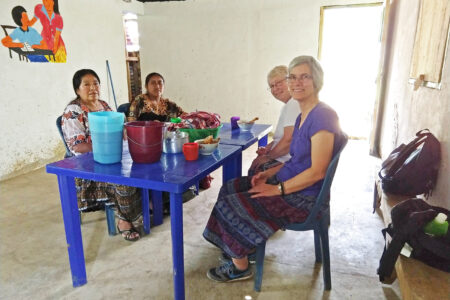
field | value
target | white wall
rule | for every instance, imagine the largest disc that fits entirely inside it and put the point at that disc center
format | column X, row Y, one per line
column 215, row 54
column 33, row 95
column 408, row 111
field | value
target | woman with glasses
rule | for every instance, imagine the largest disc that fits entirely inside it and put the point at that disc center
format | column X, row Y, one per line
column 251, row 209
column 277, row 151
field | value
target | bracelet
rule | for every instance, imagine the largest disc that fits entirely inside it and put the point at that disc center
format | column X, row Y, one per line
column 281, row 188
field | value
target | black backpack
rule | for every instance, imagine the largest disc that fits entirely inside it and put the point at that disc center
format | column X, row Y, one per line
column 412, row 169
column 408, row 219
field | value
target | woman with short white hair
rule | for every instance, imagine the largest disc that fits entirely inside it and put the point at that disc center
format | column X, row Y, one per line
column 251, row 209
column 277, row 151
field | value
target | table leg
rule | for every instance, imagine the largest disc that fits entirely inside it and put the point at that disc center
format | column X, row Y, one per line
column 263, row 141
column 145, row 210
column 72, row 227
column 238, row 171
column 232, row 168
column 157, row 203
column 176, row 220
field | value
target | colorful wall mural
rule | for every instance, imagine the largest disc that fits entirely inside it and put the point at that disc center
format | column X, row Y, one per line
column 27, row 42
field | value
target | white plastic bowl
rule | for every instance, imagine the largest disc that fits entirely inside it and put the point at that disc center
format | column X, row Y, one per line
column 245, row 126
column 206, row 149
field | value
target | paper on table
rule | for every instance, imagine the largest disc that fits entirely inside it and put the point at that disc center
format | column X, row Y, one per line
column 27, row 48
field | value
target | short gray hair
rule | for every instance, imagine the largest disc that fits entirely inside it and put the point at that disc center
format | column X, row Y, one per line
column 277, row 71
column 314, row 65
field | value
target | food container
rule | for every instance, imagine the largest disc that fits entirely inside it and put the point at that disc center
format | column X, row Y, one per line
column 196, row 134
column 245, row 126
column 206, row 149
column 174, row 140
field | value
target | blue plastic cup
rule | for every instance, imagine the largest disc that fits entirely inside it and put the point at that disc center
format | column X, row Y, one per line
column 107, row 136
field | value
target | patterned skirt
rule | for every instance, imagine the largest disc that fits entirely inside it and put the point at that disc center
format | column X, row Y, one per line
column 239, row 223
column 93, row 195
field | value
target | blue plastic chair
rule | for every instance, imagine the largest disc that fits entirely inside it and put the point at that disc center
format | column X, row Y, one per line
column 123, row 108
column 110, row 218
column 58, row 125
column 312, row 222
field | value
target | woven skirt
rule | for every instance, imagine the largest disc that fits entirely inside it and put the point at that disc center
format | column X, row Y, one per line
column 93, row 195
column 239, row 223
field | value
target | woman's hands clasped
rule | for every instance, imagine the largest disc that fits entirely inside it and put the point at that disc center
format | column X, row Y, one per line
column 264, row 190
column 260, row 188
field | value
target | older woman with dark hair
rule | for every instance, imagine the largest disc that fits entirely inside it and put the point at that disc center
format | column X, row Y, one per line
column 152, row 106
column 251, row 209
column 93, row 195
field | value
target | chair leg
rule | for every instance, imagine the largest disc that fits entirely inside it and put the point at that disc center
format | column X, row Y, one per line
column 110, row 220
column 259, row 266
column 317, row 245
column 326, row 255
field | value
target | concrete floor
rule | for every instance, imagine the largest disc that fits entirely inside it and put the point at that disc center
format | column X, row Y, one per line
column 34, row 260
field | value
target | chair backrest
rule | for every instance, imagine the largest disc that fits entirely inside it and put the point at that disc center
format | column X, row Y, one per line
column 58, row 125
column 324, row 194
column 123, row 108
column 7, row 27
column 4, row 27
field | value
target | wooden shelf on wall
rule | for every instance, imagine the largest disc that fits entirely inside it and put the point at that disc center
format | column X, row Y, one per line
column 133, row 75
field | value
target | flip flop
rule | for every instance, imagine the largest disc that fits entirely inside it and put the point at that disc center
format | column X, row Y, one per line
column 127, row 233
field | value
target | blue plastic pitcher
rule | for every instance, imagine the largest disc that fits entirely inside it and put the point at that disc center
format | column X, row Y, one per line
column 106, row 133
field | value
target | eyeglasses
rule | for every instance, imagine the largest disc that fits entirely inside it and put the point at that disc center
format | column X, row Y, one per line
column 276, row 84
column 302, row 78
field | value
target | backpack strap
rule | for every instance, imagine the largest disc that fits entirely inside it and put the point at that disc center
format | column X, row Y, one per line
column 403, row 155
column 390, row 254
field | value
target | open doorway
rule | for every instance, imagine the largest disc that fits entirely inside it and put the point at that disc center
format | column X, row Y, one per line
column 130, row 24
column 349, row 51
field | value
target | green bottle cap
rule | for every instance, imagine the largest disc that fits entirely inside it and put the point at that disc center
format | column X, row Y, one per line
column 175, row 120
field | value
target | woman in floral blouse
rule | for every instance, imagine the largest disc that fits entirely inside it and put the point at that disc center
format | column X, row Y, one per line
column 151, row 105
column 93, row 195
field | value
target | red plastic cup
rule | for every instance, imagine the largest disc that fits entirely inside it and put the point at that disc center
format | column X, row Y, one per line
column 190, row 151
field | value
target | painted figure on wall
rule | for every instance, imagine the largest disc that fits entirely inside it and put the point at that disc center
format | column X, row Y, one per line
column 25, row 37
column 52, row 24
column 28, row 43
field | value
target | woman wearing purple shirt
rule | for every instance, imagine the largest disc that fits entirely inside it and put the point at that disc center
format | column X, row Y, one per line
column 250, row 209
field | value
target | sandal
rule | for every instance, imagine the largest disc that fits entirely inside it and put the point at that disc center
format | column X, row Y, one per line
column 128, row 233
column 205, row 183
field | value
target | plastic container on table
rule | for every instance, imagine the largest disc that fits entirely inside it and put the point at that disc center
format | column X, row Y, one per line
column 198, row 134
column 106, row 129
column 145, row 140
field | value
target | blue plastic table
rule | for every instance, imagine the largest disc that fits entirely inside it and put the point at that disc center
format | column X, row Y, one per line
column 258, row 133
column 171, row 174
column 245, row 139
